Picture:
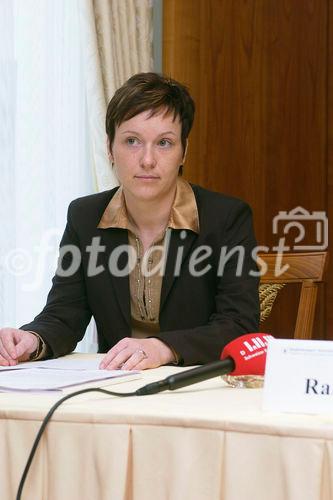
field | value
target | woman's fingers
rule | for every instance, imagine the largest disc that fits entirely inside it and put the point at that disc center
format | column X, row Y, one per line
column 134, row 354
column 137, row 361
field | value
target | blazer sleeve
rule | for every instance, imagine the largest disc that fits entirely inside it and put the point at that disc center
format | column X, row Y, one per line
column 64, row 319
column 236, row 296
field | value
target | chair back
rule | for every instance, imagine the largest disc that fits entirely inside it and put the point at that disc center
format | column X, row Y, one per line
column 279, row 270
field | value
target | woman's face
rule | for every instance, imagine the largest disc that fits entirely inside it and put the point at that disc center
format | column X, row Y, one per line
column 147, row 153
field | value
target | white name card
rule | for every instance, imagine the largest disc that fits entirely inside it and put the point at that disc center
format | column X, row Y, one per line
column 299, row 376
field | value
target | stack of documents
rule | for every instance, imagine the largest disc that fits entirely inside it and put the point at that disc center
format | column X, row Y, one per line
column 54, row 375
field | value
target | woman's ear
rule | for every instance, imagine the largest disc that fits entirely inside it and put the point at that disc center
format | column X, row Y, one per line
column 185, row 152
column 109, row 150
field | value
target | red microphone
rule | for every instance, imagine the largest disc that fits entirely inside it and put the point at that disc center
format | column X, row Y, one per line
column 246, row 355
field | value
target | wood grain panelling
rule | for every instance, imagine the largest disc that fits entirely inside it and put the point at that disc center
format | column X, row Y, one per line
column 329, row 286
column 259, row 73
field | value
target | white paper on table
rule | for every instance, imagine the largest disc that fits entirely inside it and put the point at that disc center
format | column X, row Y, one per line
column 69, row 364
column 53, row 380
column 57, row 364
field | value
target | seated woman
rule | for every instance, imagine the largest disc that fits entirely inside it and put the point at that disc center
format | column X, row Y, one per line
column 165, row 267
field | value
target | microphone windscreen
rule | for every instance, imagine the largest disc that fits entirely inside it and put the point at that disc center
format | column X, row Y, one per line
column 249, row 353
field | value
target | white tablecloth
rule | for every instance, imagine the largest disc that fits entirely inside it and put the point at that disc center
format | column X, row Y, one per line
column 204, row 442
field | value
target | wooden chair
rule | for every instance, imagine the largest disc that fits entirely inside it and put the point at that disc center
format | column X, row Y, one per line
column 305, row 268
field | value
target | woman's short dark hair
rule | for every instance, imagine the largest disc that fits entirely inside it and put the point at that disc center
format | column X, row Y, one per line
column 150, row 91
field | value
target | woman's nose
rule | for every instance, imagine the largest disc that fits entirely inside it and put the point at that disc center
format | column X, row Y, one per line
column 148, row 159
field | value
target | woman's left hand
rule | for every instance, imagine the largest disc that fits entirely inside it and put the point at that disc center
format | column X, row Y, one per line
column 137, row 354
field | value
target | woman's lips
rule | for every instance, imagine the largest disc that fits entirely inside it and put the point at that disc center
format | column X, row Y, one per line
column 146, row 177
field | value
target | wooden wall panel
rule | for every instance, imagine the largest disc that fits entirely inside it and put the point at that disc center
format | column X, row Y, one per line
column 258, row 70
column 329, row 285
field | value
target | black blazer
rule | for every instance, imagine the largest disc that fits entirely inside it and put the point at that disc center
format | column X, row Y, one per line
column 198, row 314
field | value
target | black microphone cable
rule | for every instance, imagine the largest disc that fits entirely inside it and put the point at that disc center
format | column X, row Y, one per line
column 46, row 421
column 170, row 383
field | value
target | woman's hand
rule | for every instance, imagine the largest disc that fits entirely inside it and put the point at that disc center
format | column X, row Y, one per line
column 137, row 354
column 16, row 345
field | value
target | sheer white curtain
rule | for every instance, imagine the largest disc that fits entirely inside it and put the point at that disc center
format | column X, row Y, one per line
column 117, row 41
column 61, row 60
column 46, row 161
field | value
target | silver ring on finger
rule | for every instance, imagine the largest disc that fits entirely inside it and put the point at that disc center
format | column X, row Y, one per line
column 143, row 353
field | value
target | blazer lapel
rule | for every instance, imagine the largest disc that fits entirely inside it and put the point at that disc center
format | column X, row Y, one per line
column 112, row 238
column 178, row 249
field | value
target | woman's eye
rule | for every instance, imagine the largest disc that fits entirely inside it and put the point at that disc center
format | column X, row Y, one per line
column 164, row 143
column 132, row 141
